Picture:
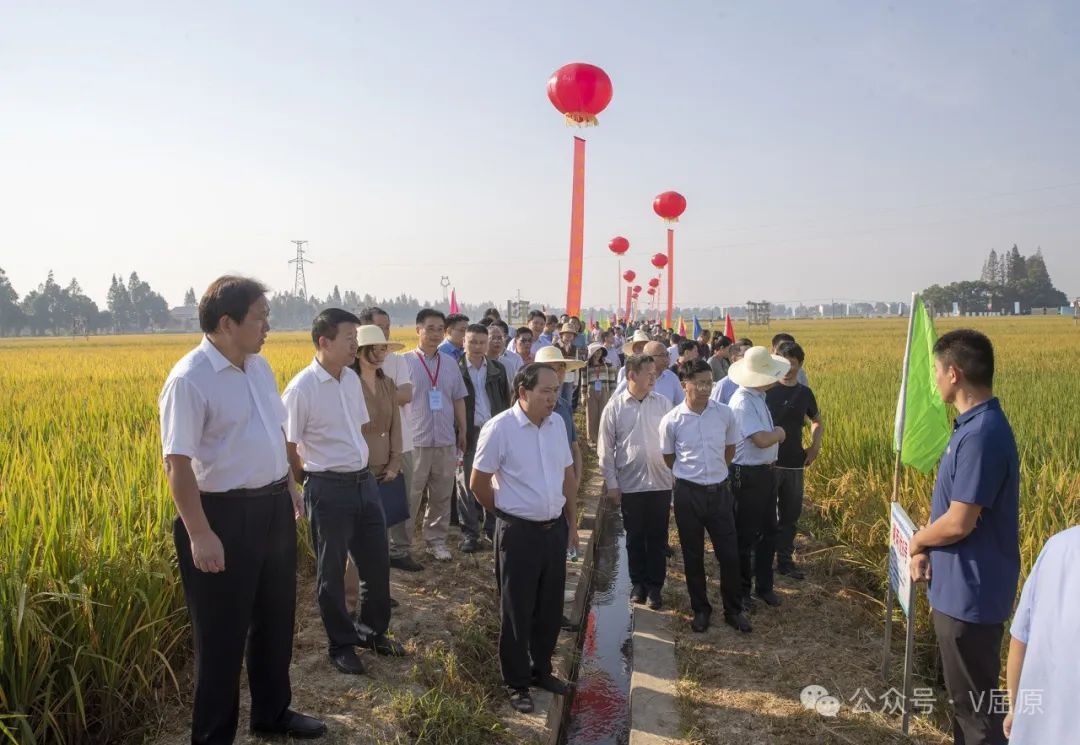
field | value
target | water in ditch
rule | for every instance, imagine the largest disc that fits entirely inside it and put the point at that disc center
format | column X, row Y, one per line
column 600, row 709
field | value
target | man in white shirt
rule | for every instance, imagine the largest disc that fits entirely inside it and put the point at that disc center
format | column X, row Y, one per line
column 522, row 345
column 667, row 382
column 224, row 451
column 396, row 367
column 524, row 472
column 698, row 440
column 1042, row 673
column 325, row 408
column 636, row 476
column 498, row 336
column 754, row 480
column 725, row 388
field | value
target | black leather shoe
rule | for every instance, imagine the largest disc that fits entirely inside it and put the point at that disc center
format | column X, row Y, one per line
column 382, row 645
column 770, row 598
column 521, row 700
column 406, row 564
column 656, row 602
column 790, row 570
column 551, row 684
column 638, row 594
column 297, row 726
column 700, row 622
column 738, row 621
column 347, row 661
column 468, row 546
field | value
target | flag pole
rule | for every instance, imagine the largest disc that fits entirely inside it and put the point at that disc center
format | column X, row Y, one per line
column 902, row 405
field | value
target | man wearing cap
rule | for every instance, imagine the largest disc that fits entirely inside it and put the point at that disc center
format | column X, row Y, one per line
column 754, row 482
column 667, row 382
column 488, row 396
column 637, row 477
column 698, row 439
column 524, row 473
column 325, row 408
column 438, row 424
column 225, row 459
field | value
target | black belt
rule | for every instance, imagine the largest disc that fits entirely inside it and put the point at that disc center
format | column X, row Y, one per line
column 705, row 487
column 761, row 467
column 352, row 477
column 261, row 491
column 542, row 524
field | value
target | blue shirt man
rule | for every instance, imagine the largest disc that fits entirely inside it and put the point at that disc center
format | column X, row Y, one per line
column 975, row 579
column 447, row 347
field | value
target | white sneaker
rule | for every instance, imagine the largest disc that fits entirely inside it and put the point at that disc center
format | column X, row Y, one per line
column 439, row 553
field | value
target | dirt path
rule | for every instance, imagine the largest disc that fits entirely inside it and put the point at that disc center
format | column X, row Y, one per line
column 746, row 688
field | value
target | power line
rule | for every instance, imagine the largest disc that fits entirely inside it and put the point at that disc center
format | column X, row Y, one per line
column 300, row 282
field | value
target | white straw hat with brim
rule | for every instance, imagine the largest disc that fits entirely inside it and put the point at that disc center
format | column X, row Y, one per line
column 758, row 368
column 566, row 328
column 369, row 336
column 594, row 347
column 551, row 355
column 640, row 337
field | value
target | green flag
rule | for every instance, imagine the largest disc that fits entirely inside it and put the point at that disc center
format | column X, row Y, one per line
column 922, row 424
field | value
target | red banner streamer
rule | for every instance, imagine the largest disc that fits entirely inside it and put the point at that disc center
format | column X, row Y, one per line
column 577, row 231
column 670, row 275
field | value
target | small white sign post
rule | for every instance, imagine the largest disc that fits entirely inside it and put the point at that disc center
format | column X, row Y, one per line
column 901, row 589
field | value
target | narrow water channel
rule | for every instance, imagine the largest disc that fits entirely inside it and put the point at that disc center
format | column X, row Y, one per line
column 600, row 710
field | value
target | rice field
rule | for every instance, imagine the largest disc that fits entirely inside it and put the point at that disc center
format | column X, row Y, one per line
column 92, row 623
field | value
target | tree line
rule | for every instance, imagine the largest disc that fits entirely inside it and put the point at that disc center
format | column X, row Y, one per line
column 1005, row 280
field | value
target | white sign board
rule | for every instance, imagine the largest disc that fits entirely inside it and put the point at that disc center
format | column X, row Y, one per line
column 901, row 529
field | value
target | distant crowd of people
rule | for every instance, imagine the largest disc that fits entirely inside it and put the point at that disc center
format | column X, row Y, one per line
column 474, row 428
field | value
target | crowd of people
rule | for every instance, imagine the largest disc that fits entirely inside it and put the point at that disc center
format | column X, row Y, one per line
column 474, row 427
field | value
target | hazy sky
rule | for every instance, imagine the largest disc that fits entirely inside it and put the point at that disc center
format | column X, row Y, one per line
column 853, row 150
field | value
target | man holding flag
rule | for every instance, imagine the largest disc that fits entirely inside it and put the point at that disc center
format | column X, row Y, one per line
column 970, row 550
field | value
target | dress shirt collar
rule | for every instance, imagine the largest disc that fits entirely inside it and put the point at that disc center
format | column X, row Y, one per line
column 217, row 360
column 974, row 411
column 523, row 419
column 321, row 373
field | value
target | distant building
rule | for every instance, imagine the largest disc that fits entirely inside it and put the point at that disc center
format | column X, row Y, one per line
column 185, row 317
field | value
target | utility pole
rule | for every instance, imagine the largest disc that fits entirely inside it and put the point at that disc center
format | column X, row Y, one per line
column 300, row 283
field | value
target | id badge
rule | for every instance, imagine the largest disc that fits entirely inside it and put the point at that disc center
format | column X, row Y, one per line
column 596, row 386
column 435, row 400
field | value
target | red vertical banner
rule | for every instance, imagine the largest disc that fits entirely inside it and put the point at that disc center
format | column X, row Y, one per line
column 670, row 275
column 577, row 231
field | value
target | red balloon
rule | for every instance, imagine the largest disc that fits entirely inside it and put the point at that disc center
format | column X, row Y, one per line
column 654, row 282
column 659, row 260
column 669, row 205
column 618, row 245
column 637, row 289
column 629, row 275
column 580, row 91
column 651, row 290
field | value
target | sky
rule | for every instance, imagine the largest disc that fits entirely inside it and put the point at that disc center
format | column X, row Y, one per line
column 827, row 150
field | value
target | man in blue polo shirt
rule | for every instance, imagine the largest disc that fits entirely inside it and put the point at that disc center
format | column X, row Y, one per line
column 970, row 551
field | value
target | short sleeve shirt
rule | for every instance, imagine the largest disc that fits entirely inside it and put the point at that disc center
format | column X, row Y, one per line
column 396, row 367
column 753, row 415
column 528, row 463
column 790, row 407
column 228, row 421
column 698, row 441
column 1046, row 620
column 434, row 428
column 975, row 579
column 326, row 416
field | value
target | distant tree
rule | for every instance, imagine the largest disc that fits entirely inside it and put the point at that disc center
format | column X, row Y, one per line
column 12, row 318
column 189, row 297
column 120, row 306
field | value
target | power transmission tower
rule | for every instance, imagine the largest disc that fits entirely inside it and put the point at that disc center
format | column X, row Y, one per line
column 300, row 284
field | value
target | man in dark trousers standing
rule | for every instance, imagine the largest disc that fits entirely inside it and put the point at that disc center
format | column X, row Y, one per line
column 223, row 443
column 524, row 472
column 970, row 551
column 792, row 404
column 488, row 395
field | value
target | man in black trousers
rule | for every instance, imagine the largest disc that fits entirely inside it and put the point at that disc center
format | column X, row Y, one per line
column 225, row 459
column 534, row 498
column 325, row 411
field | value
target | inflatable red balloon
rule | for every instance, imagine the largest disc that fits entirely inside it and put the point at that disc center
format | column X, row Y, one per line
column 618, row 245
column 654, row 282
column 659, row 260
column 629, row 275
column 651, row 291
column 669, row 205
column 580, row 91
column 637, row 289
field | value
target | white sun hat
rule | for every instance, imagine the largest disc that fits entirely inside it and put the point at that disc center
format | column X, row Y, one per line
column 640, row 337
column 758, row 368
column 550, row 355
column 369, row 336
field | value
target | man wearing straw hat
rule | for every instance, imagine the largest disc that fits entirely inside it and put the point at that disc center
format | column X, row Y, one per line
column 753, row 479
column 325, row 407
column 552, row 357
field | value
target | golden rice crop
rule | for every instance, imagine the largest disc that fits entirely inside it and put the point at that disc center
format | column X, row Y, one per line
column 91, row 609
